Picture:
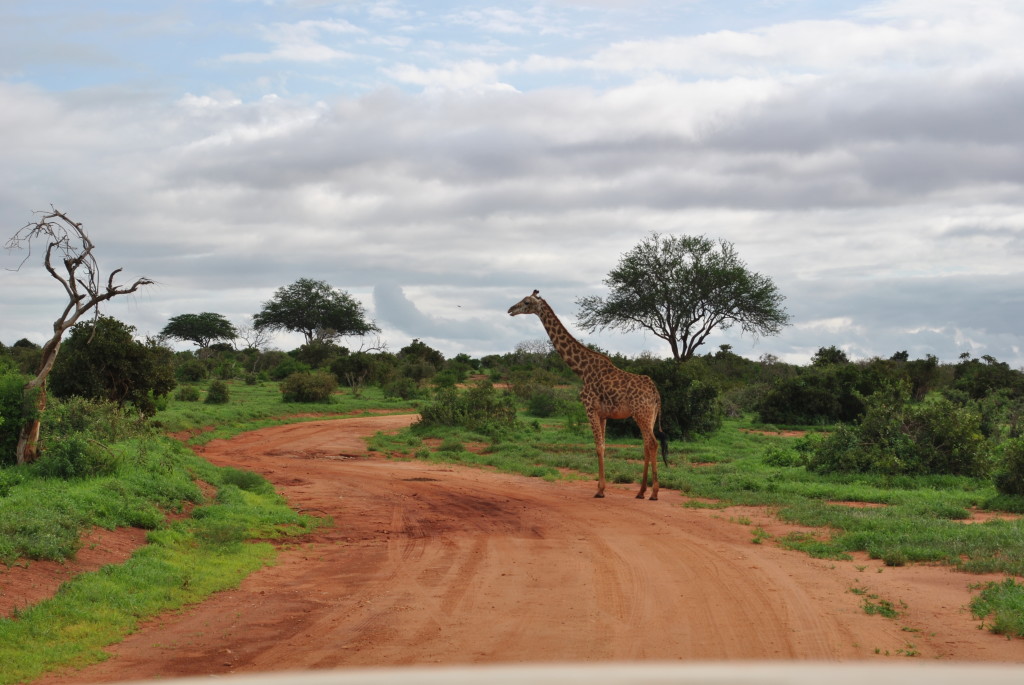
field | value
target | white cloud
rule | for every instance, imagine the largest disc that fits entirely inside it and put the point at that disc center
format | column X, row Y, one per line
column 300, row 42
column 869, row 163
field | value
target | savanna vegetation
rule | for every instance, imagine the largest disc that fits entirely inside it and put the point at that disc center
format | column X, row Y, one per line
column 929, row 443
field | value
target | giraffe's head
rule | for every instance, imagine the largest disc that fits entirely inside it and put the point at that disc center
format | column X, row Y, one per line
column 528, row 305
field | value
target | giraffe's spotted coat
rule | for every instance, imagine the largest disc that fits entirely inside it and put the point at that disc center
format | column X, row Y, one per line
column 608, row 391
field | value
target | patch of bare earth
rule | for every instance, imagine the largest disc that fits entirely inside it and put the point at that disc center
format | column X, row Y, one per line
column 440, row 564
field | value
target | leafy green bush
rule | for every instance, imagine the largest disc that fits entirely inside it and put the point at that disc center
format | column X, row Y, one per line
column 101, row 359
column 1009, row 477
column 217, row 393
column 187, row 393
column 402, row 387
column 896, row 436
column 479, row 409
column 309, row 386
column 100, row 420
column 75, row 456
column 819, row 395
column 190, row 371
column 287, row 367
column 14, row 412
column 543, row 402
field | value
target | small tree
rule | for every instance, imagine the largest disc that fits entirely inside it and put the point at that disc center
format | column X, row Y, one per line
column 102, row 360
column 69, row 259
column 681, row 289
column 314, row 309
column 201, row 329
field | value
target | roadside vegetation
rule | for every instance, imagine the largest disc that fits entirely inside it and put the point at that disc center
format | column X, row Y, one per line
column 928, row 445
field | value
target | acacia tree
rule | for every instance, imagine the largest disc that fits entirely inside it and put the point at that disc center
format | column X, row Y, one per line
column 202, row 329
column 314, row 309
column 681, row 289
column 69, row 259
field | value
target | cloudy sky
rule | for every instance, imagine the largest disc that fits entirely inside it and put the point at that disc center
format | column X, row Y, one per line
column 440, row 160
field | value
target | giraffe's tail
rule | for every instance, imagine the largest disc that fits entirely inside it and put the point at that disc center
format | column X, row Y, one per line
column 662, row 437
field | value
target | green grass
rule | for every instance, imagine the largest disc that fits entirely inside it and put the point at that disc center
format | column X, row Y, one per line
column 183, row 563
column 1001, row 606
column 258, row 406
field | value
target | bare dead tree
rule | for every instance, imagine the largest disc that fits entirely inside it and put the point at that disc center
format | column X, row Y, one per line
column 69, row 259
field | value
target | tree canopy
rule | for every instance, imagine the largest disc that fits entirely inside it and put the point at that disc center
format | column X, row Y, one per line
column 102, row 360
column 316, row 310
column 681, row 289
column 201, row 329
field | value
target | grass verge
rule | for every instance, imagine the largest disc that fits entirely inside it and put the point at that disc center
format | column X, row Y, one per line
column 183, row 563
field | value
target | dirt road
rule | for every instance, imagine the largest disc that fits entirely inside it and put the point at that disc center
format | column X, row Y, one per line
column 436, row 564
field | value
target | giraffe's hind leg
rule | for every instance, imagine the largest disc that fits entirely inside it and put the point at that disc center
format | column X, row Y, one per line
column 651, row 459
column 597, row 425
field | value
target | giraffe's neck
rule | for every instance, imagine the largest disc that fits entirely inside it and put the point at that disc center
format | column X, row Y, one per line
column 575, row 354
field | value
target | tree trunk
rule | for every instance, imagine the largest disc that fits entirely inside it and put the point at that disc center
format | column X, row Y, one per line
column 28, row 442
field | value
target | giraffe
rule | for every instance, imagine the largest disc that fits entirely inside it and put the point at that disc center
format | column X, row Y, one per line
column 608, row 392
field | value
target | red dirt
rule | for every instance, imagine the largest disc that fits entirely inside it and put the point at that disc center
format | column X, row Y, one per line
column 440, row 564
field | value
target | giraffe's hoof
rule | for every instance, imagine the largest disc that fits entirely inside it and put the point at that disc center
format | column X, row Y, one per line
column 640, row 496
column 654, row 498
column 600, row 494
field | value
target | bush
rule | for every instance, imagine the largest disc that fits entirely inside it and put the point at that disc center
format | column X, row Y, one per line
column 287, row 367
column 543, row 402
column 402, row 388
column 897, row 437
column 75, row 456
column 190, row 371
column 106, row 422
column 14, row 412
column 309, row 386
column 217, row 393
column 478, row 409
column 187, row 393
column 1009, row 476
column 819, row 395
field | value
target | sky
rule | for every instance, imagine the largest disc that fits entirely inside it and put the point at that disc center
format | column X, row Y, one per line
column 438, row 161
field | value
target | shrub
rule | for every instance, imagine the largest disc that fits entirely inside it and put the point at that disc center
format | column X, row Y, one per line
column 217, row 393
column 402, row 387
column 106, row 422
column 897, row 437
column 14, row 412
column 543, row 402
column 1009, row 476
column 187, row 393
column 309, row 386
column 479, row 409
column 819, row 395
column 75, row 456
column 287, row 367
column 190, row 371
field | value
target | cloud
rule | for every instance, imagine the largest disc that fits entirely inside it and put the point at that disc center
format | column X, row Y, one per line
column 394, row 308
column 302, row 41
column 869, row 162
